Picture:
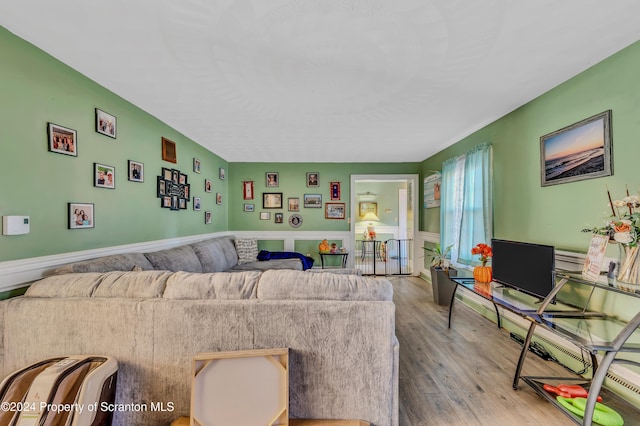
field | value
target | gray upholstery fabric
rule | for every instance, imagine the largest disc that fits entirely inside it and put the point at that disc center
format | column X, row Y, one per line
column 217, row 285
column 296, row 285
column 69, row 285
column 216, row 254
column 345, row 271
column 293, row 264
column 143, row 285
column 176, row 259
column 116, row 262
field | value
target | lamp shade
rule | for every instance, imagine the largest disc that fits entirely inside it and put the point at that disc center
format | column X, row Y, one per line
column 370, row 217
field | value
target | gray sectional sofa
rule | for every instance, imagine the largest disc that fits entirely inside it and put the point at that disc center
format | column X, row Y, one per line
column 339, row 328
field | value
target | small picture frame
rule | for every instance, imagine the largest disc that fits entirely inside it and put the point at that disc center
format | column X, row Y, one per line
column 313, row 179
column 62, row 140
column 221, row 173
column 294, row 204
column 272, row 180
column 196, row 165
column 182, row 203
column 80, row 215
column 249, row 207
column 208, row 186
column 169, row 151
column 175, row 202
column 365, row 207
column 182, row 178
column 265, row 215
column 175, row 176
column 104, row 176
column 218, row 198
column 247, row 190
column 279, row 218
column 167, row 174
column 105, row 123
column 272, row 200
column 207, row 218
column 165, row 202
column 313, row 201
column 334, row 211
column 334, row 190
column 162, row 187
column 196, row 203
column 136, row 171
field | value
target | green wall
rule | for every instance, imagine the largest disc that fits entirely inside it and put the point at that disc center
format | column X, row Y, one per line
column 292, row 183
column 37, row 89
column 523, row 209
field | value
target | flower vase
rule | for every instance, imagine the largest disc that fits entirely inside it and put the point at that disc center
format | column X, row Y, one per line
column 629, row 270
column 483, row 274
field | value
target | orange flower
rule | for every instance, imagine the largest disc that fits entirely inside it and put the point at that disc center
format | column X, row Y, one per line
column 622, row 227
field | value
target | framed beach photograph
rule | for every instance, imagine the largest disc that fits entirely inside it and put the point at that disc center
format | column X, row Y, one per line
column 105, row 123
column 80, row 215
column 104, row 176
column 169, row 151
column 313, row 179
column 136, row 171
column 313, row 201
column 577, row 152
column 334, row 211
column 272, row 179
column 272, row 200
column 294, row 204
column 62, row 140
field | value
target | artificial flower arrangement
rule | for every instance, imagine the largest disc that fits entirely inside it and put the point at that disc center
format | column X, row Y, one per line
column 483, row 273
column 623, row 227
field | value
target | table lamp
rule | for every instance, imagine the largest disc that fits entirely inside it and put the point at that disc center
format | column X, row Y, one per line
column 371, row 230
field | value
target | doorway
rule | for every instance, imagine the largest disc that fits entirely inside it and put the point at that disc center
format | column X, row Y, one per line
column 384, row 219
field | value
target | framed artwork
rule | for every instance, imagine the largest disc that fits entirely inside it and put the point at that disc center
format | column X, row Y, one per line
column 313, row 201
column 175, row 176
column 272, row 179
column 313, row 179
column 207, row 218
column 62, row 140
column 265, row 215
column 272, row 200
column 165, row 202
column 186, row 192
column 279, row 217
column 577, row 152
column 196, row 165
column 432, row 190
column 207, row 185
column 182, row 203
column 218, row 198
column 162, row 187
column 196, row 203
column 175, row 202
column 182, row 178
column 105, row 123
column 104, row 176
column 80, row 215
column 221, row 173
column 167, row 174
column 247, row 190
column 334, row 211
column 249, row 207
column 295, row 220
column 136, row 171
column 294, row 204
column 334, row 189
column 169, row 151
column 365, row 207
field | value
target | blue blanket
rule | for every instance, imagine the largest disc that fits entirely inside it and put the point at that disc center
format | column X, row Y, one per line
column 307, row 262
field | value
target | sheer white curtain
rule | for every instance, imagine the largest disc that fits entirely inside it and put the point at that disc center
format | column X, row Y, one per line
column 466, row 212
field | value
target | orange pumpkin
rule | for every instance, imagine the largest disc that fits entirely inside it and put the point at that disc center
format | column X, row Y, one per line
column 482, row 274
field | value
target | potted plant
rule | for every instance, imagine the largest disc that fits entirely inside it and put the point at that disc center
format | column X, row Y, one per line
column 443, row 288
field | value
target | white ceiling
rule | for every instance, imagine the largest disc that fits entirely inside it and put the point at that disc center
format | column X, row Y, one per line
column 326, row 80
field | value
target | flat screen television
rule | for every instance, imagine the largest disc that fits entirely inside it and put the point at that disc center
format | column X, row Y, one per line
column 524, row 266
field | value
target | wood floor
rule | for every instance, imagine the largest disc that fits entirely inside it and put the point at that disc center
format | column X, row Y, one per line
column 462, row 375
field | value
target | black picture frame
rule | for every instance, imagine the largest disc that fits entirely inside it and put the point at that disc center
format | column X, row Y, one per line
column 104, row 176
column 62, row 140
column 272, row 200
column 577, row 152
column 136, row 171
column 106, row 124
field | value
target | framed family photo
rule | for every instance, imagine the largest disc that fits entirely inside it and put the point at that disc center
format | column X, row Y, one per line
column 104, row 176
column 136, row 171
column 577, row 152
column 105, row 123
column 80, row 215
column 62, row 140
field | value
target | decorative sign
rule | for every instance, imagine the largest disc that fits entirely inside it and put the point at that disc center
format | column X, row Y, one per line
column 432, row 185
column 173, row 189
column 595, row 257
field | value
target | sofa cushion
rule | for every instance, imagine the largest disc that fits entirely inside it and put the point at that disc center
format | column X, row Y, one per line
column 293, row 264
column 247, row 249
column 298, row 285
column 115, row 262
column 67, row 285
column 216, row 285
column 181, row 258
column 141, row 285
column 216, row 254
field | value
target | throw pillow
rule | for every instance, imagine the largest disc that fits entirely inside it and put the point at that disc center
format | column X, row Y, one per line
column 247, row 249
